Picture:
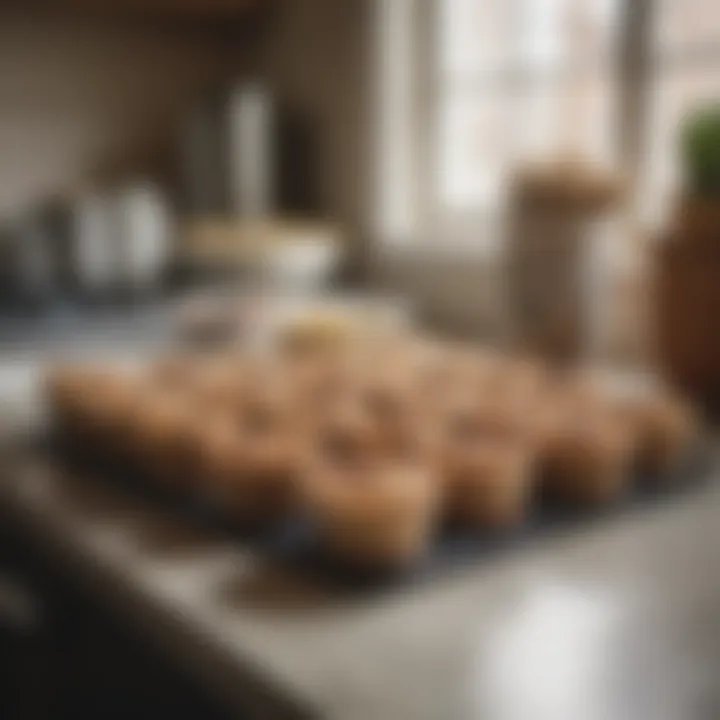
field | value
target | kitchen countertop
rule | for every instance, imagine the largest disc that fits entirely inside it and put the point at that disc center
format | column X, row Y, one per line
column 618, row 620
column 71, row 330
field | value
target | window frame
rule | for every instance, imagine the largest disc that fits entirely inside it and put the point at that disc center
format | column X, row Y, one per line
column 439, row 226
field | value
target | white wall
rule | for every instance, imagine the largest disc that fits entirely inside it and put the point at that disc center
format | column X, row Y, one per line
column 456, row 290
column 84, row 97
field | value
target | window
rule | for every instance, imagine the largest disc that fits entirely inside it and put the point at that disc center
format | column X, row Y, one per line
column 491, row 84
column 683, row 74
column 520, row 80
column 470, row 88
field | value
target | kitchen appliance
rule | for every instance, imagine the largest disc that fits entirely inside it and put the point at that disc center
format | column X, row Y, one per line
column 95, row 250
column 142, row 226
column 226, row 152
column 34, row 271
column 245, row 154
column 251, row 134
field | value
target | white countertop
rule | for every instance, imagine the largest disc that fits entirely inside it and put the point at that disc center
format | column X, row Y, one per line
column 620, row 620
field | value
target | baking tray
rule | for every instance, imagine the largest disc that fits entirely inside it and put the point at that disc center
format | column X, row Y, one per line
column 296, row 544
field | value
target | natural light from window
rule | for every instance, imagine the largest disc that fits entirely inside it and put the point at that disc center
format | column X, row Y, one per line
column 520, row 80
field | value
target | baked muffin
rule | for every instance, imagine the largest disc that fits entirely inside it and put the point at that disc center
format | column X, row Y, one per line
column 220, row 383
column 320, row 384
column 487, row 470
column 161, row 438
column 666, row 428
column 457, row 371
column 371, row 513
column 393, row 408
column 65, row 390
column 251, row 458
column 585, row 454
column 174, row 373
column 254, row 478
column 517, row 380
column 662, row 425
column 91, row 404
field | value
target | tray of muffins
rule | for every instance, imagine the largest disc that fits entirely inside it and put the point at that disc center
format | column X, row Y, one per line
column 381, row 460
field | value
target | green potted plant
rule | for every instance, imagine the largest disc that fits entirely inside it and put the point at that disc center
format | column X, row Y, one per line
column 687, row 288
